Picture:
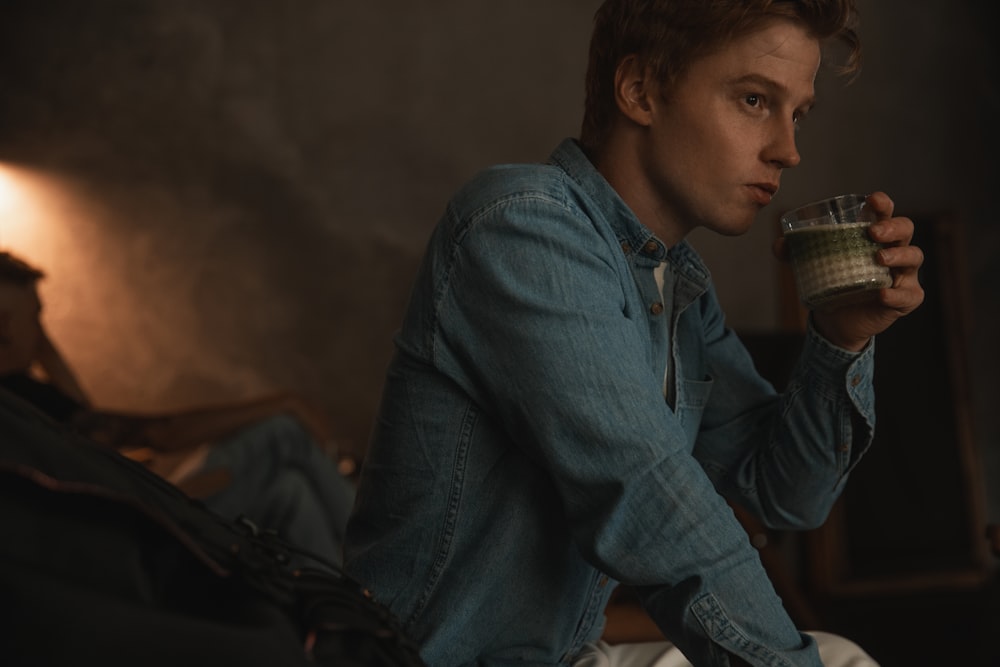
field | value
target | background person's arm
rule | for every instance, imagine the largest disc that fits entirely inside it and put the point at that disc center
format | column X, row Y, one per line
column 189, row 428
column 57, row 370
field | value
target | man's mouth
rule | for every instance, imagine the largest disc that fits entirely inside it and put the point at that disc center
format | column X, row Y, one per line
column 763, row 192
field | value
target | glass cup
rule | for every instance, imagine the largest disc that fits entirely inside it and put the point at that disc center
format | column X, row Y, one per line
column 833, row 258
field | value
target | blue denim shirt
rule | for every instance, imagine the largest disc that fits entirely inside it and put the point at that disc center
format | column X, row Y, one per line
column 525, row 458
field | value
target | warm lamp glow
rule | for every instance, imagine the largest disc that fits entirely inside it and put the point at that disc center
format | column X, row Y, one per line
column 6, row 189
column 40, row 223
column 26, row 212
column 47, row 222
column 8, row 199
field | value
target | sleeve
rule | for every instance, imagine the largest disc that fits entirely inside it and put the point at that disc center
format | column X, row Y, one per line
column 785, row 458
column 533, row 321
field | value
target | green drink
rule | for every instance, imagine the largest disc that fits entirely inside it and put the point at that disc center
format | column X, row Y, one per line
column 833, row 258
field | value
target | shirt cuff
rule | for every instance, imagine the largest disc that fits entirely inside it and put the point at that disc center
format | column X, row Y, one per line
column 840, row 370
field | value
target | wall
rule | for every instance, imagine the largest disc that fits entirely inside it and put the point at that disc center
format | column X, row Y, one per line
column 232, row 197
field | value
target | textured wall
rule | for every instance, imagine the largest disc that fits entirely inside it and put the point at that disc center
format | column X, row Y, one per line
column 232, row 196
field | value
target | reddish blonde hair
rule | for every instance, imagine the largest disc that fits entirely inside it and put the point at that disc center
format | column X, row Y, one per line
column 668, row 35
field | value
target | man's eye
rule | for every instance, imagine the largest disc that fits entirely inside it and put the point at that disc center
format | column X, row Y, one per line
column 752, row 100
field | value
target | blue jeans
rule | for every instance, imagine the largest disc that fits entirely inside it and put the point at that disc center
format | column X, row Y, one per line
column 283, row 481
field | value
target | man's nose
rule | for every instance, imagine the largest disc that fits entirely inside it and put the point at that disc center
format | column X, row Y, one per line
column 782, row 149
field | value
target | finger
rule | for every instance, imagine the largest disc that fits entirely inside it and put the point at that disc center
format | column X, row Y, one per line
column 908, row 257
column 892, row 231
column 903, row 299
column 881, row 204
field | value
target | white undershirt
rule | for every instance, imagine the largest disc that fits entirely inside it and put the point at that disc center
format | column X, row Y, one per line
column 658, row 274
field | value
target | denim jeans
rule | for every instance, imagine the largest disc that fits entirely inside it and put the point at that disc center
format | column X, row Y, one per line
column 283, row 481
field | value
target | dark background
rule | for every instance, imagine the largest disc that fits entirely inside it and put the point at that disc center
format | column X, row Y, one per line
column 231, row 197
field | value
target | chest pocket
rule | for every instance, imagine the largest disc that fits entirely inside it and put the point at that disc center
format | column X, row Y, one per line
column 692, row 397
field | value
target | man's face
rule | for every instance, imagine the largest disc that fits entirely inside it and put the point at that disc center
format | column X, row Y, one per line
column 20, row 329
column 718, row 142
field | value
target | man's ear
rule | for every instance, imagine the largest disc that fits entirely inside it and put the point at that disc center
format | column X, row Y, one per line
column 634, row 88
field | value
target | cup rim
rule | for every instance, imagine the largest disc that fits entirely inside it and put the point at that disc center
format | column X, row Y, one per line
column 822, row 211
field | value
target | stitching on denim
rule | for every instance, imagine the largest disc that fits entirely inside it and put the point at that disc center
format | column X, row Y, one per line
column 443, row 551
column 595, row 605
column 479, row 214
column 719, row 628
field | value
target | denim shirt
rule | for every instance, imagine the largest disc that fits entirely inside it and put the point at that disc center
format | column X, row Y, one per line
column 525, row 458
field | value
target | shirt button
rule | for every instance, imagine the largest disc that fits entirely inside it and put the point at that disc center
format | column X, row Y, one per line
column 651, row 246
column 656, row 308
column 626, row 248
column 845, row 447
column 856, row 380
column 604, row 581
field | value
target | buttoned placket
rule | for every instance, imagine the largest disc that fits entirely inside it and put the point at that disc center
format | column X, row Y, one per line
column 661, row 312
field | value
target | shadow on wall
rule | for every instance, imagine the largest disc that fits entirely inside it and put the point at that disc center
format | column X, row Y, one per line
column 157, row 318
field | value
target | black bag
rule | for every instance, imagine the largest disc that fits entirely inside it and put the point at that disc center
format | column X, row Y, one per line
column 103, row 562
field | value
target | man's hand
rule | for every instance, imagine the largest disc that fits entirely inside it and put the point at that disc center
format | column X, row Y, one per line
column 851, row 326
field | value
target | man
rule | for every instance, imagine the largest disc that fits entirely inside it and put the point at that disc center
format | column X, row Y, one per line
column 566, row 408
column 261, row 458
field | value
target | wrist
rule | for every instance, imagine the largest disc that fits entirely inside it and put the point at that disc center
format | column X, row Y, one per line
column 828, row 328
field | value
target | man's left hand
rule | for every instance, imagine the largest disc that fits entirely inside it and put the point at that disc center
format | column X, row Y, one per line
column 851, row 326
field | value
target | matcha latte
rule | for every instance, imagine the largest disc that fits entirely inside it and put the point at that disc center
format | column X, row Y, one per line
column 833, row 258
column 835, row 262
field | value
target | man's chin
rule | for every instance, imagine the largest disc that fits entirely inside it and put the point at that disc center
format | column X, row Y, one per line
column 735, row 228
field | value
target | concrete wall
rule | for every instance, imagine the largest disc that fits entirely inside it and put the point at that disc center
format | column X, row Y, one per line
column 232, row 196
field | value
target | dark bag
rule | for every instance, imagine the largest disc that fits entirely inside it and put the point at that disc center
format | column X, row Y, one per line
column 103, row 562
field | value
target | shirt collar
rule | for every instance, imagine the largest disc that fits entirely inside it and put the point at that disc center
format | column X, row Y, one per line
column 632, row 234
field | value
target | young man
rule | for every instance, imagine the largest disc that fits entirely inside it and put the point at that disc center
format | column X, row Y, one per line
column 566, row 408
